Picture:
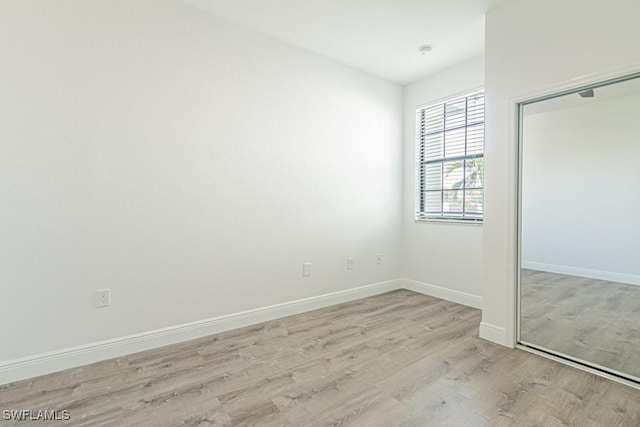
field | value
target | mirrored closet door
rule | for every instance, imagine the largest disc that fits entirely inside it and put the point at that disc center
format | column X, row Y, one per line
column 579, row 228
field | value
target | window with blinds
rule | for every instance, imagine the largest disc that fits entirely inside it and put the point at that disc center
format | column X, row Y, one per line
column 450, row 159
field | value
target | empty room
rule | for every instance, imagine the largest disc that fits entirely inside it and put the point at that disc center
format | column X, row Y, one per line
column 319, row 213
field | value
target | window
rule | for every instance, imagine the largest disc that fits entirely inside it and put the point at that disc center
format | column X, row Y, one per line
column 450, row 159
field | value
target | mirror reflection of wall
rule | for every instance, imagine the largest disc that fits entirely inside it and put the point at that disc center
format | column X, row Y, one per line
column 580, row 226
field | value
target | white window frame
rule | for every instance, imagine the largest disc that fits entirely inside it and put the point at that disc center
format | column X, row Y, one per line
column 422, row 147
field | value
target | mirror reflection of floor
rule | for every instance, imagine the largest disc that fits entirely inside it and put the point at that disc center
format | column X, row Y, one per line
column 593, row 320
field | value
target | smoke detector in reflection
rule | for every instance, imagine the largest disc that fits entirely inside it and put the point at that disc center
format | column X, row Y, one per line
column 587, row 93
column 424, row 49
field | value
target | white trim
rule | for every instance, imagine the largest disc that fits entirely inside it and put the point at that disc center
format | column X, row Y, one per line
column 72, row 357
column 611, row 276
column 45, row 363
column 459, row 297
column 448, row 221
column 494, row 333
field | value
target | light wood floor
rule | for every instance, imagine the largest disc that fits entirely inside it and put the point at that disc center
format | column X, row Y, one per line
column 593, row 320
column 398, row 359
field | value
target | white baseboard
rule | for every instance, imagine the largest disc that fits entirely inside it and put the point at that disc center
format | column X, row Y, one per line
column 494, row 333
column 32, row 366
column 630, row 279
column 45, row 363
column 463, row 298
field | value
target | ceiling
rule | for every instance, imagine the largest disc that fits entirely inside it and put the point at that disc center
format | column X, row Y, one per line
column 380, row 37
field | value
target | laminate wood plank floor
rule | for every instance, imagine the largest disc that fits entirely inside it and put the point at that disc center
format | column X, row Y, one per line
column 397, row 359
column 594, row 320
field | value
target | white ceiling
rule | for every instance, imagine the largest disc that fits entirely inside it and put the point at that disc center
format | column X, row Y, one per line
column 380, row 37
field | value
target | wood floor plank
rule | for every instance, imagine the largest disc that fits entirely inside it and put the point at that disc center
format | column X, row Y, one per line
column 596, row 321
column 397, row 359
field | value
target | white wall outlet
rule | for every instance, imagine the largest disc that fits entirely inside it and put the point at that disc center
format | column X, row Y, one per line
column 103, row 298
column 378, row 258
column 306, row 269
column 349, row 263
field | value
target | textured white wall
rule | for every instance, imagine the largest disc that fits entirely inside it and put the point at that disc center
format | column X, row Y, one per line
column 579, row 201
column 532, row 47
column 186, row 163
column 448, row 255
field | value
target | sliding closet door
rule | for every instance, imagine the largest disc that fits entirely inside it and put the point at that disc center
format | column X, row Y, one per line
column 579, row 284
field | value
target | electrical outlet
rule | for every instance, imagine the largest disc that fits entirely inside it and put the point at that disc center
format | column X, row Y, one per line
column 378, row 258
column 349, row 263
column 103, row 298
column 306, row 269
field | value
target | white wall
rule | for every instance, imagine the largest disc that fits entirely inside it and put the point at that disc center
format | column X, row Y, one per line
column 532, row 47
column 579, row 201
column 447, row 255
column 186, row 163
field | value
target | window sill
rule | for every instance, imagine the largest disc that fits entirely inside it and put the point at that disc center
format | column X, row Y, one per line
column 448, row 221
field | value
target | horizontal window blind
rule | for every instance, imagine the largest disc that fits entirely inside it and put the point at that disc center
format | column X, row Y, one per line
column 450, row 159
